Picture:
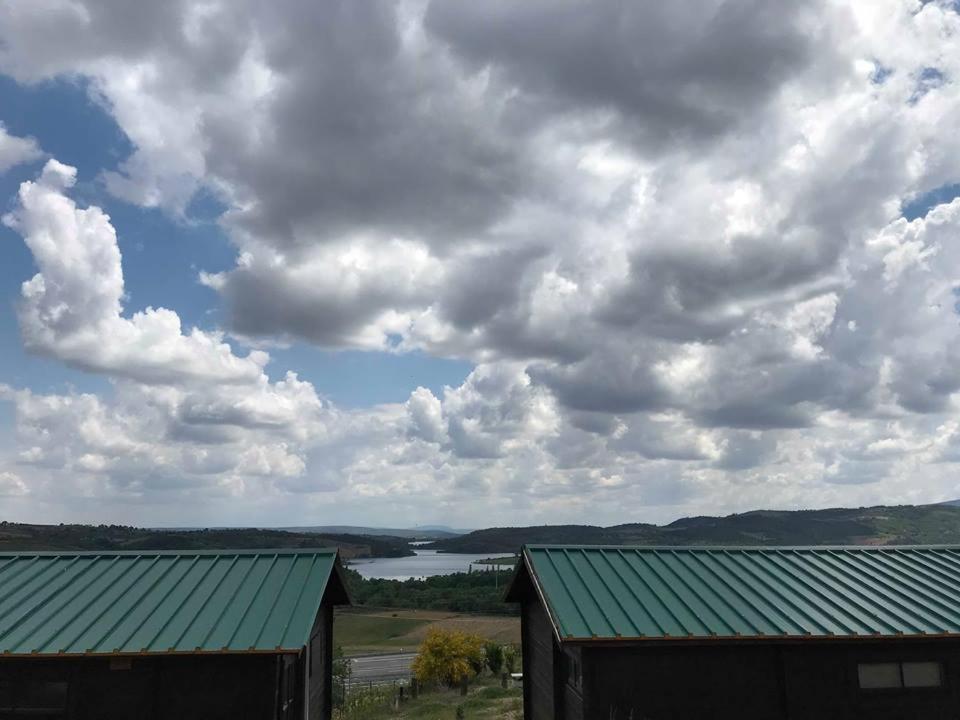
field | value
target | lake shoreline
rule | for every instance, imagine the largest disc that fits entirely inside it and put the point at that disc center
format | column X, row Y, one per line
column 423, row 564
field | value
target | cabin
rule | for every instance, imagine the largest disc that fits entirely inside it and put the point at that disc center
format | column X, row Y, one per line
column 759, row 633
column 231, row 635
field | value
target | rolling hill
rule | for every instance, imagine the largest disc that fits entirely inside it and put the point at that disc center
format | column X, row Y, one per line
column 18, row 536
column 881, row 525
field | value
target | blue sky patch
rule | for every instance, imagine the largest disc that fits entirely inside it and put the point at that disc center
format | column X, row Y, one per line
column 922, row 204
column 162, row 257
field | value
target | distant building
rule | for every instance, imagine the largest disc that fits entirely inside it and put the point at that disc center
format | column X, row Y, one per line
column 232, row 635
column 643, row 633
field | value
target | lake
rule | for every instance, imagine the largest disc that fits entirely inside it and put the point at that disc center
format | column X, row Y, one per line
column 424, row 564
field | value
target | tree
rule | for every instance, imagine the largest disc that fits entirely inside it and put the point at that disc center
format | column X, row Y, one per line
column 449, row 657
column 494, row 656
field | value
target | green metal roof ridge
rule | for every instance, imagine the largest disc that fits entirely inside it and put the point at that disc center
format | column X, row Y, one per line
column 182, row 553
column 738, row 548
column 164, row 602
column 787, row 593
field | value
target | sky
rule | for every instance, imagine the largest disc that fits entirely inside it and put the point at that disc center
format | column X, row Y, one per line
column 476, row 264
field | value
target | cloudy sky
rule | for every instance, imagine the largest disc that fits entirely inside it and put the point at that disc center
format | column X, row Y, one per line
column 475, row 263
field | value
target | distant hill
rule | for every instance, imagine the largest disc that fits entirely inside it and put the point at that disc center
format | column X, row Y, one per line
column 17, row 536
column 418, row 533
column 882, row 525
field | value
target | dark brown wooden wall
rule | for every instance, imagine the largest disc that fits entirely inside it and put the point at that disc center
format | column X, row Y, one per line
column 821, row 681
column 237, row 687
column 674, row 683
column 321, row 657
column 539, row 661
column 804, row 681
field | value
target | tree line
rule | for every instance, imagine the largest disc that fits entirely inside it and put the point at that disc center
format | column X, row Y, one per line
column 474, row 592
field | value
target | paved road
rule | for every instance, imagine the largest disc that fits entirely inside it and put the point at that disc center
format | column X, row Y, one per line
column 381, row 668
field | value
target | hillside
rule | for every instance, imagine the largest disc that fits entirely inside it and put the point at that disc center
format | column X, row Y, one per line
column 903, row 524
column 17, row 536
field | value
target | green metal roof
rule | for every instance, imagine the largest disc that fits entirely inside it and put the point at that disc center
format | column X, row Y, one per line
column 609, row 593
column 162, row 602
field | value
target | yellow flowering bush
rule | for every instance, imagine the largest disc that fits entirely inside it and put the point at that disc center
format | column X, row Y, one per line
column 448, row 657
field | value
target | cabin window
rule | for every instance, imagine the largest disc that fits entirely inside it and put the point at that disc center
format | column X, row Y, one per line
column 895, row 675
column 922, row 674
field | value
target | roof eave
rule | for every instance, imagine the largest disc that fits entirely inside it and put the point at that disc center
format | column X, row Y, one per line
column 752, row 639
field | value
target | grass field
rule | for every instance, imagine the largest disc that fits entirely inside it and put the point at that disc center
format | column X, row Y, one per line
column 366, row 631
column 486, row 700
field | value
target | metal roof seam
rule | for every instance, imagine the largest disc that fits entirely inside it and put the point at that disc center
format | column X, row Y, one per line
column 552, row 616
column 636, row 597
column 773, row 588
column 612, row 594
column 181, row 554
column 947, row 564
column 273, row 605
column 694, row 595
column 206, row 601
column 853, row 584
column 33, row 609
column 67, row 602
column 133, row 633
column 590, row 593
column 951, row 553
column 676, row 595
column 724, row 600
column 566, row 589
column 891, row 591
column 11, row 591
column 252, row 598
column 722, row 581
column 750, row 602
column 82, row 609
column 180, row 604
column 745, row 549
column 649, row 587
column 798, row 573
column 588, row 589
column 9, row 562
column 766, row 594
column 106, row 608
column 296, row 602
column 914, row 560
column 216, row 624
column 143, row 604
column 843, row 586
column 897, row 570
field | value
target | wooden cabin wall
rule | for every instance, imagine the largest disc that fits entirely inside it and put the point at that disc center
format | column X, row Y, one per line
column 320, row 657
column 539, row 663
column 762, row 681
column 674, row 683
column 222, row 687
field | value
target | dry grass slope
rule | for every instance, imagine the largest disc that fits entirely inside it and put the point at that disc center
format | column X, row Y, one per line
column 361, row 630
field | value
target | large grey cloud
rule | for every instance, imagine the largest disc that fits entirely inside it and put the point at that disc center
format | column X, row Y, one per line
column 665, row 75
column 668, row 234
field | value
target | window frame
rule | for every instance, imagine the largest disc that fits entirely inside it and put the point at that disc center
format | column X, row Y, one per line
column 903, row 687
